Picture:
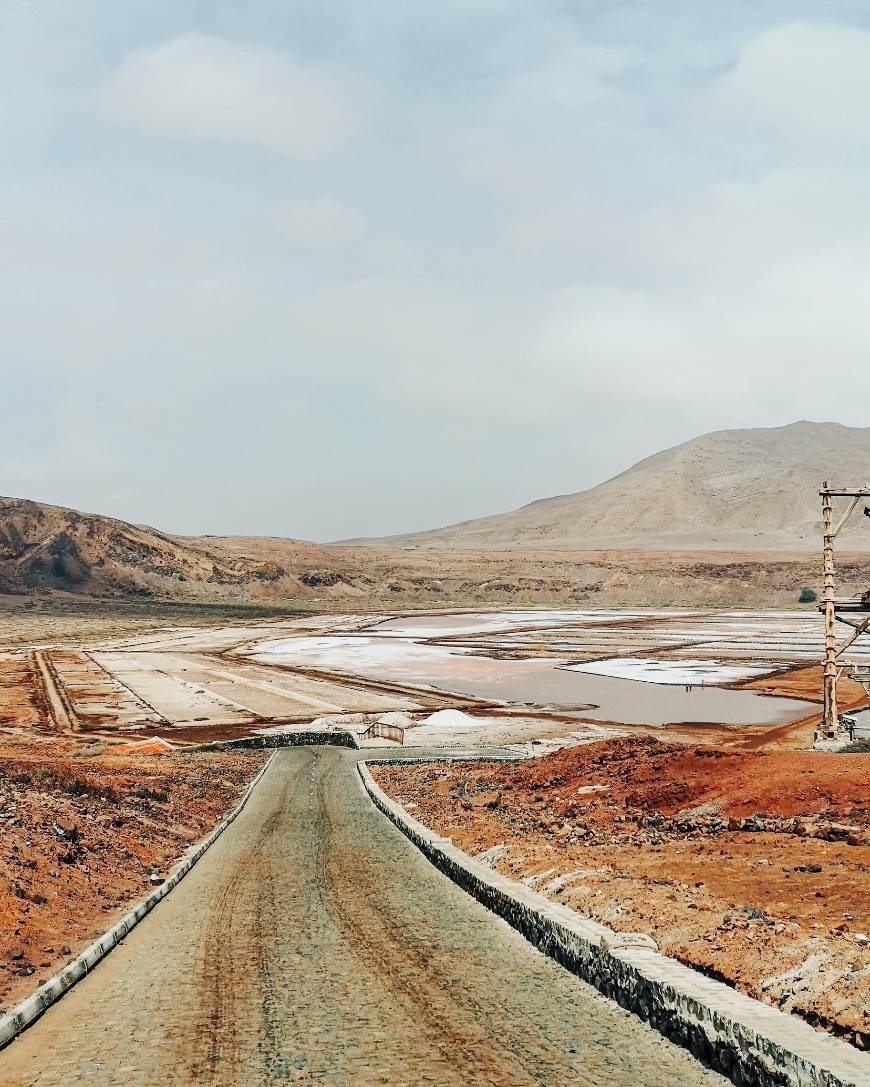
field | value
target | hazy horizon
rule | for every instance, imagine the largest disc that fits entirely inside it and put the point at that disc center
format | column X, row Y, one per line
column 356, row 271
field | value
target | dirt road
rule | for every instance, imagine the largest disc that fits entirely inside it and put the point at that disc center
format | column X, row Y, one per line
column 313, row 944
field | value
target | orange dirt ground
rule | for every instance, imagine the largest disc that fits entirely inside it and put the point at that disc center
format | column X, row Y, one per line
column 22, row 700
column 643, row 836
column 807, row 683
column 83, row 830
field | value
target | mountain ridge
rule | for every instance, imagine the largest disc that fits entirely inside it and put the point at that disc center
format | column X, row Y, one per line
column 750, row 488
column 707, row 506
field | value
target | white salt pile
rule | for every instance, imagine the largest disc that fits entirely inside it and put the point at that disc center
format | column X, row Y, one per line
column 341, row 720
column 396, row 717
column 452, row 719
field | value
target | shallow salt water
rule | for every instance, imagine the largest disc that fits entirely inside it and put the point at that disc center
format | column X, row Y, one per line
column 671, row 670
column 435, row 626
column 630, row 702
column 538, row 682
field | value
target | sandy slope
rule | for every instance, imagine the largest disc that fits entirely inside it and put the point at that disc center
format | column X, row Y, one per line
column 67, row 556
column 733, row 489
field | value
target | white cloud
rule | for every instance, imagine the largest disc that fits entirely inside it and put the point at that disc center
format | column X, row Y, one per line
column 559, row 244
column 320, row 224
column 200, row 89
column 808, row 84
column 734, row 295
column 576, row 76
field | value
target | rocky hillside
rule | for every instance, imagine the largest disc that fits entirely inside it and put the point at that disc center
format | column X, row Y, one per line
column 45, row 547
column 742, row 494
column 51, row 552
column 730, row 490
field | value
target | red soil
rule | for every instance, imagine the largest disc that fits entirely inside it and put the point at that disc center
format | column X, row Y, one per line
column 642, row 773
column 83, row 829
column 635, row 833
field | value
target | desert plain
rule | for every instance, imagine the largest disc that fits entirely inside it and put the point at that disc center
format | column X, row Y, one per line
column 664, row 780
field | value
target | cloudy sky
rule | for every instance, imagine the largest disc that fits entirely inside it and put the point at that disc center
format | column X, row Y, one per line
column 343, row 268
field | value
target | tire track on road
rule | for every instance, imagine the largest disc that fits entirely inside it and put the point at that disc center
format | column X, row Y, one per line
column 242, row 915
column 380, row 942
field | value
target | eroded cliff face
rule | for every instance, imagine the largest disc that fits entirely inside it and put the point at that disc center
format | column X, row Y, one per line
column 50, row 547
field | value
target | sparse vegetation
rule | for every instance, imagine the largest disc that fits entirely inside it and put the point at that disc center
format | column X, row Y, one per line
column 48, row 779
column 807, row 596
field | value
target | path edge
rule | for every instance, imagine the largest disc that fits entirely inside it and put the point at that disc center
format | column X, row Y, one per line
column 27, row 1011
column 747, row 1041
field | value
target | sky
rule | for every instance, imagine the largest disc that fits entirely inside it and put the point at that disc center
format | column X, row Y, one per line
column 342, row 269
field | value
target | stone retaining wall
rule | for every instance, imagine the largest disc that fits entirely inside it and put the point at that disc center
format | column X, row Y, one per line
column 285, row 739
column 751, row 1043
column 403, row 760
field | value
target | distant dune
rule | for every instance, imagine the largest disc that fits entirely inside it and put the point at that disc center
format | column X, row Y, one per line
column 754, row 490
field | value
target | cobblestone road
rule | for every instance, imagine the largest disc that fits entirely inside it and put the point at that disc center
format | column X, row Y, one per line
column 314, row 944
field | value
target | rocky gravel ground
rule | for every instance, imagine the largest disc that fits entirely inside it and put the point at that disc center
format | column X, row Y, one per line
column 84, row 833
column 753, row 866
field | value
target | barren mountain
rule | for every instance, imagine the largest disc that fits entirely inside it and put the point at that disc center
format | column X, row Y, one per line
column 61, row 555
column 733, row 489
column 45, row 547
column 697, row 524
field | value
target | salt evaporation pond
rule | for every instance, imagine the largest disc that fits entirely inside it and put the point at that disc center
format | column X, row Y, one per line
column 440, row 626
column 394, row 652
column 671, row 670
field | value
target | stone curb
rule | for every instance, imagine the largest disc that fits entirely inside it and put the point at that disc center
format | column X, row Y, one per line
column 274, row 740
column 27, row 1011
column 752, row 1044
column 403, row 760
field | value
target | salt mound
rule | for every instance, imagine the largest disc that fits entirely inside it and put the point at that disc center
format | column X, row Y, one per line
column 156, row 745
column 396, row 717
column 452, row 719
column 341, row 720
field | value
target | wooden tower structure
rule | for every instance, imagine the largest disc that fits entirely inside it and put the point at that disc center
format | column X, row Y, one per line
column 837, row 609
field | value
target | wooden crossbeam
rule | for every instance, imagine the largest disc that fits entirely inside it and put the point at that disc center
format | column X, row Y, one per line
column 859, row 630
